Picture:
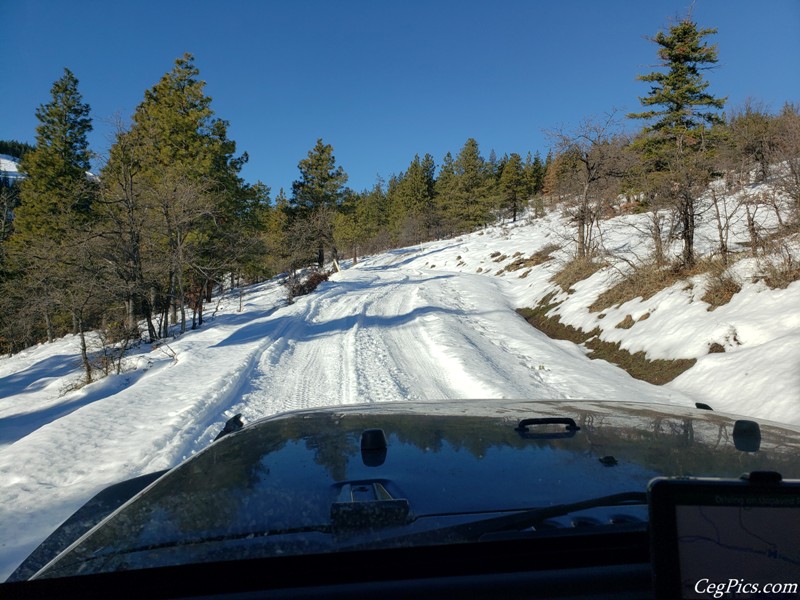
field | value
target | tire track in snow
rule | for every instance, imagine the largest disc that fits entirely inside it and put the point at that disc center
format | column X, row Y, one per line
column 382, row 335
column 376, row 334
column 327, row 356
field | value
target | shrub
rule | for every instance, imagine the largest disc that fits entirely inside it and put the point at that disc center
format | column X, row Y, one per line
column 626, row 323
column 574, row 271
column 645, row 281
column 306, row 286
column 537, row 258
column 721, row 288
column 782, row 270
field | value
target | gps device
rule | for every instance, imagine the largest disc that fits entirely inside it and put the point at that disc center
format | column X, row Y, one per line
column 725, row 538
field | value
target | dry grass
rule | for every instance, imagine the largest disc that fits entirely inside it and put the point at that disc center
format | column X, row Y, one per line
column 721, row 288
column 626, row 323
column 552, row 326
column 782, row 270
column 574, row 271
column 636, row 364
column 645, row 282
column 657, row 372
column 537, row 258
column 649, row 279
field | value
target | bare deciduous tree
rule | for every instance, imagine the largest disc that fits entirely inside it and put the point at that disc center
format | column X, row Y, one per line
column 591, row 162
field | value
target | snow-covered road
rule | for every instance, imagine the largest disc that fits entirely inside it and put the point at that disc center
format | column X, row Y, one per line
column 383, row 334
column 380, row 331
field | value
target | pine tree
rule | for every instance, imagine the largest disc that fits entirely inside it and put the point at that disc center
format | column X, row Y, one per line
column 53, row 246
column 56, row 189
column 445, row 195
column 317, row 194
column 464, row 190
column 676, row 142
column 14, row 148
column 372, row 217
column 431, row 216
column 513, row 186
column 173, row 193
column 535, row 171
column 411, row 199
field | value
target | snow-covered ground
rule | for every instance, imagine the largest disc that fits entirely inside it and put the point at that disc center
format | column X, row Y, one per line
column 417, row 323
column 9, row 167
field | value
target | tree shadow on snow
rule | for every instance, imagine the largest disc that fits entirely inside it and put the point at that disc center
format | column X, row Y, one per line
column 38, row 375
column 18, row 426
column 294, row 328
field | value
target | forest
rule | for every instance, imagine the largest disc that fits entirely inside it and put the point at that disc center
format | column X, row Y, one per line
column 137, row 250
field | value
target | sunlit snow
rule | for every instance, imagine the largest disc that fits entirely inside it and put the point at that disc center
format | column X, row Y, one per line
column 419, row 323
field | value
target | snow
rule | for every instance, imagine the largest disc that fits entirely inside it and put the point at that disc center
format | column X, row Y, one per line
column 9, row 167
column 410, row 324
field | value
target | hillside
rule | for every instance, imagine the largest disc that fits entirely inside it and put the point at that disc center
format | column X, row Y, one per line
column 432, row 321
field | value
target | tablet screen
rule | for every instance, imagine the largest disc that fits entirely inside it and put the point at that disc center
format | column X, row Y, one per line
column 725, row 539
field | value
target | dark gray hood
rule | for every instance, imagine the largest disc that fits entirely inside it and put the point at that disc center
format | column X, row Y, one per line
column 284, row 485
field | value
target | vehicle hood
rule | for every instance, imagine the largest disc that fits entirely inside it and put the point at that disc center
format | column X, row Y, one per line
column 289, row 479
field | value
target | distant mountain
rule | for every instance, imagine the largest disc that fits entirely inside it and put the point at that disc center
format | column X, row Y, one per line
column 9, row 168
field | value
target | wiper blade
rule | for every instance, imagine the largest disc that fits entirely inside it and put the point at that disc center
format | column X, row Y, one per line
column 474, row 530
column 192, row 541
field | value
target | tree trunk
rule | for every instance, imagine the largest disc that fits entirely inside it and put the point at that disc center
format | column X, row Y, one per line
column 751, row 228
column 172, row 298
column 87, row 366
column 723, row 226
column 687, row 235
column 48, row 322
column 130, row 311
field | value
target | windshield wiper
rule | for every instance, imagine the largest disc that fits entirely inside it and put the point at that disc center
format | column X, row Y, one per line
column 475, row 530
column 463, row 532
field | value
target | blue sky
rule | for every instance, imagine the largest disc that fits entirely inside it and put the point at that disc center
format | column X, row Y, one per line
column 381, row 81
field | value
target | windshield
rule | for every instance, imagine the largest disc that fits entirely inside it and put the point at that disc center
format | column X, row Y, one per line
column 435, row 221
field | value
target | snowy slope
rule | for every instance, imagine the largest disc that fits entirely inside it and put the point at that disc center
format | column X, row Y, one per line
column 419, row 323
column 9, row 167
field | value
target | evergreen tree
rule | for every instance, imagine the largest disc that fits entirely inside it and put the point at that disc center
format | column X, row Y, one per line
column 513, row 186
column 431, row 217
column 462, row 190
column 445, row 195
column 173, row 195
column 411, row 199
column 372, row 217
column 53, row 246
column 316, row 196
column 14, row 148
column 347, row 231
column 676, row 143
column 535, row 171
column 472, row 200
column 56, row 190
